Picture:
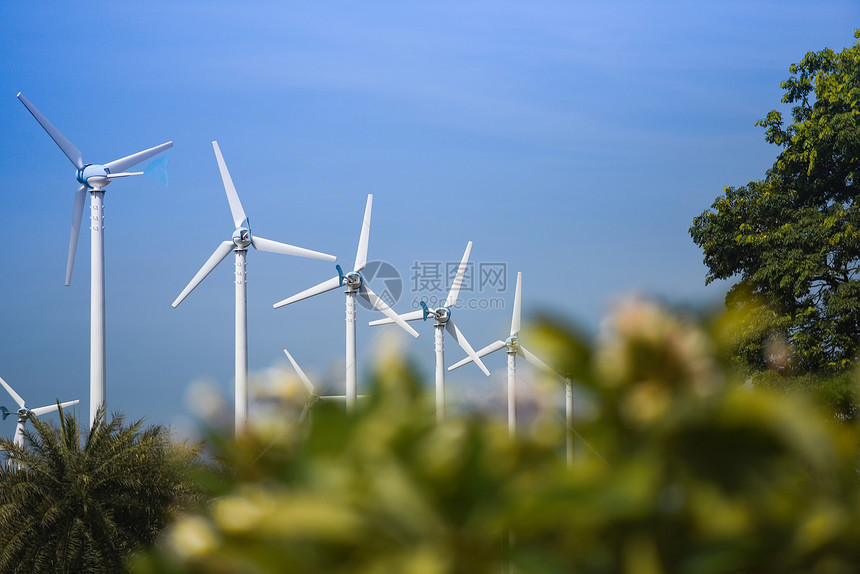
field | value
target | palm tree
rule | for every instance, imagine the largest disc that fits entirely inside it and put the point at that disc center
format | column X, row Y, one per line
column 71, row 508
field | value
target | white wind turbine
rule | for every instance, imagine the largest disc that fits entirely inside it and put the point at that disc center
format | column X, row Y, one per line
column 444, row 322
column 93, row 178
column 355, row 285
column 313, row 396
column 514, row 348
column 238, row 244
column 24, row 413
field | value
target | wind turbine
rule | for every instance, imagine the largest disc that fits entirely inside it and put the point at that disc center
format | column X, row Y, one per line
column 24, row 413
column 93, row 178
column 444, row 322
column 238, row 244
column 313, row 396
column 355, row 285
column 514, row 348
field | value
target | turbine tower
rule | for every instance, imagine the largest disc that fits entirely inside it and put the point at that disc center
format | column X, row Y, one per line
column 93, row 178
column 355, row 285
column 238, row 244
column 24, row 413
column 313, row 396
column 444, row 322
column 513, row 348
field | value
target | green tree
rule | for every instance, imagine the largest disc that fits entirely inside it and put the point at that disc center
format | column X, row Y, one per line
column 71, row 508
column 678, row 470
column 792, row 239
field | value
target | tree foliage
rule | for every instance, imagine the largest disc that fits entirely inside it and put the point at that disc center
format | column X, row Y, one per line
column 678, row 469
column 792, row 239
column 67, row 507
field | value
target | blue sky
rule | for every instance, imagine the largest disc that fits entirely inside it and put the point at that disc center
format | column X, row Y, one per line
column 454, row 115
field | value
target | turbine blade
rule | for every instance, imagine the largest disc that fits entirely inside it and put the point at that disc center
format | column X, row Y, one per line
column 77, row 218
column 518, row 303
column 410, row 316
column 15, row 396
column 332, row 283
column 361, row 255
column 306, row 411
column 232, row 197
column 51, row 408
column 264, row 244
column 461, row 340
column 492, row 347
column 458, row 279
column 381, row 305
column 302, row 376
column 73, row 153
column 123, row 174
column 213, row 261
column 531, row 358
column 122, row 164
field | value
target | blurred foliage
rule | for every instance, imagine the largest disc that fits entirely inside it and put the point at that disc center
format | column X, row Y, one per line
column 791, row 239
column 681, row 467
column 72, row 507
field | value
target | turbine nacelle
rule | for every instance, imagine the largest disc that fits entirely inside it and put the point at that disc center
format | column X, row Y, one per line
column 442, row 314
column 23, row 413
column 242, row 237
column 352, row 280
column 513, row 343
column 93, row 176
column 98, row 176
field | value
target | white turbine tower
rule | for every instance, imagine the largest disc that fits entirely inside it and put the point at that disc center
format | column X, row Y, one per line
column 24, row 413
column 513, row 348
column 241, row 240
column 355, row 285
column 313, row 396
column 444, row 322
column 93, row 178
